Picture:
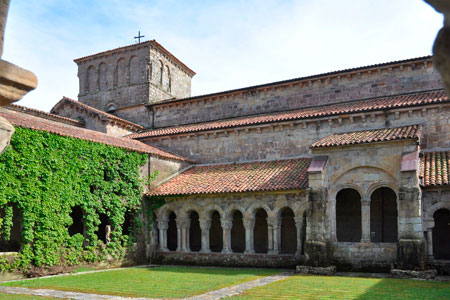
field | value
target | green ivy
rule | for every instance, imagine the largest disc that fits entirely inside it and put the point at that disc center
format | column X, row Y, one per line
column 46, row 175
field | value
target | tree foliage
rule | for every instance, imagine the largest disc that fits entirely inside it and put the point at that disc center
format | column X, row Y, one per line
column 46, row 175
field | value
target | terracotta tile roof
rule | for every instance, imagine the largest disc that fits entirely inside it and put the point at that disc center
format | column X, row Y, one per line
column 404, row 63
column 33, row 122
column 370, row 136
column 289, row 174
column 398, row 101
column 435, row 168
column 45, row 115
column 153, row 43
column 98, row 113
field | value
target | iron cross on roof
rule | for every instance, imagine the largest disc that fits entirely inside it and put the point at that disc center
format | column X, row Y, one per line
column 139, row 36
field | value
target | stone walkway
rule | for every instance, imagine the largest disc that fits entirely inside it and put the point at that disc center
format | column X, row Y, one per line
column 213, row 295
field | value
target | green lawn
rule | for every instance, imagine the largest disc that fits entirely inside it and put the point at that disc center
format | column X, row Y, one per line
column 321, row 287
column 167, row 281
column 23, row 297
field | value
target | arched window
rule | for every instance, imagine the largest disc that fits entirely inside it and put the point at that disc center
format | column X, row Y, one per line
column 288, row 232
column 135, row 72
column 111, row 107
column 348, row 216
column 216, row 233
column 91, row 80
column 161, row 72
column 166, row 79
column 172, row 241
column 121, row 73
column 195, row 233
column 260, row 230
column 383, row 216
column 441, row 234
column 237, row 233
column 102, row 80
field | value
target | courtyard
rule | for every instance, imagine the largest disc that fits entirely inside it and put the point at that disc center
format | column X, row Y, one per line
column 173, row 282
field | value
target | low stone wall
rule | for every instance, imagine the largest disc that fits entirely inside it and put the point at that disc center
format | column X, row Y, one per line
column 372, row 257
column 227, row 260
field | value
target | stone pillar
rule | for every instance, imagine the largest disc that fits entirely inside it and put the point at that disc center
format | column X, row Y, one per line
column 226, row 227
column 163, row 225
column 365, row 220
column 299, row 226
column 205, row 226
column 275, row 224
column 183, row 226
column 430, row 244
column 249, row 225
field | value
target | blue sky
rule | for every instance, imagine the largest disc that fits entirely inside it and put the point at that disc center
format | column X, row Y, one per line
column 230, row 44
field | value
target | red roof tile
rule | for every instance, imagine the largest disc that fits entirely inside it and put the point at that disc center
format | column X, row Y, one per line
column 99, row 113
column 435, row 168
column 307, row 113
column 45, row 115
column 289, row 174
column 32, row 122
column 370, row 136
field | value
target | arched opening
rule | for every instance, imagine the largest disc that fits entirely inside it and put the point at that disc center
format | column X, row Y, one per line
column 102, row 79
column 11, row 242
column 127, row 226
column 161, row 72
column 215, row 233
column 121, row 72
column 135, row 72
column 288, row 232
column 91, row 80
column 348, row 216
column 172, row 242
column 166, row 79
column 237, row 233
column 111, row 107
column 383, row 216
column 260, row 238
column 104, row 229
column 77, row 221
column 195, row 233
column 441, row 234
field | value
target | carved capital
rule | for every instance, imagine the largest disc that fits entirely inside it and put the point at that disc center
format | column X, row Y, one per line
column 183, row 223
column 163, row 225
column 274, row 222
column 226, row 224
column 249, row 224
column 205, row 224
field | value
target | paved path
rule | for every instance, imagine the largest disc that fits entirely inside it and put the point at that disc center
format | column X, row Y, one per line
column 213, row 295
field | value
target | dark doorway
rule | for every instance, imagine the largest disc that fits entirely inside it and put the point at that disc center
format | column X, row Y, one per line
column 216, row 233
column 195, row 233
column 348, row 216
column 127, row 226
column 288, row 232
column 383, row 216
column 237, row 233
column 13, row 243
column 77, row 221
column 441, row 234
column 260, row 234
column 102, row 233
column 172, row 242
column 303, row 236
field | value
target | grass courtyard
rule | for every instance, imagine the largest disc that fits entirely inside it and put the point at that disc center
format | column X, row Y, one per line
column 179, row 282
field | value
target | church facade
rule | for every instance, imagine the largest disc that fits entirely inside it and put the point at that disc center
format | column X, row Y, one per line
column 347, row 168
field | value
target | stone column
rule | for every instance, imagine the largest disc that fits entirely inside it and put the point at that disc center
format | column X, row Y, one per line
column 275, row 224
column 249, row 225
column 163, row 225
column 299, row 226
column 365, row 220
column 183, row 226
column 430, row 244
column 205, row 226
column 226, row 227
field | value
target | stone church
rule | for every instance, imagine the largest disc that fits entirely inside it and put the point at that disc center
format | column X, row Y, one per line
column 347, row 168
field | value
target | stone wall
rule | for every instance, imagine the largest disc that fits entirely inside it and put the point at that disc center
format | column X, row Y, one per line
column 139, row 114
column 165, row 168
column 290, row 139
column 346, row 86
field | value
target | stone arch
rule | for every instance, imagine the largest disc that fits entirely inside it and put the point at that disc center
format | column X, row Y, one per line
column 166, row 79
column 210, row 209
column 111, row 107
column 161, row 72
column 277, row 211
column 102, row 77
column 164, row 211
column 301, row 208
column 383, row 215
column 373, row 187
column 121, row 74
column 188, row 209
column 91, row 80
column 228, row 214
column 365, row 170
column 134, row 70
column 348, row 215
column 288, row 230
column 429, row 213
column 251, row 210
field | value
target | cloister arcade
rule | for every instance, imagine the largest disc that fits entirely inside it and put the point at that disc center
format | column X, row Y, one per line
column 235, row 229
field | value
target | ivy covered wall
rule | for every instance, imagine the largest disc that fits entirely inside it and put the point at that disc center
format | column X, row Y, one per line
column 46, row 178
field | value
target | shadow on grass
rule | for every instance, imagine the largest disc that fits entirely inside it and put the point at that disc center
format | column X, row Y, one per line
column 214, row 270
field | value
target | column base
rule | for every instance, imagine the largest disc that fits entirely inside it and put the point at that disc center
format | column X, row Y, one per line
column 163, row 249
column 205, row 251
column 273, row 252
column 226, row 251
column 249, row 252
